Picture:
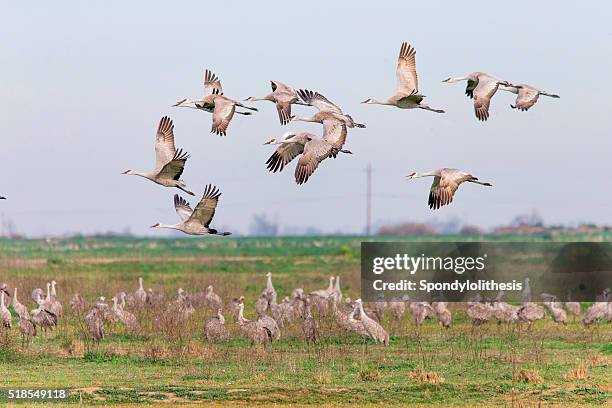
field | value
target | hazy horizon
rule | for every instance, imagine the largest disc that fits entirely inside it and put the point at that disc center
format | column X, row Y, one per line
column 86, row 85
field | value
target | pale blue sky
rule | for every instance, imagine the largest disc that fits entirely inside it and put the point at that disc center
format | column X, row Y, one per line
column 85, row 84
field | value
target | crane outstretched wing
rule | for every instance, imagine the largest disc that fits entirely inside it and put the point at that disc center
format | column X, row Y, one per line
column 318, row 101
column 483, row 92
column 205, row 210
column 315, row 151
column 212, row 84
column 182, row 207
column 407, row 80
column 444, row 186
column 283, row 155
column 174, row 168
column 222, row 115
column 164, row 143
column 527, row 97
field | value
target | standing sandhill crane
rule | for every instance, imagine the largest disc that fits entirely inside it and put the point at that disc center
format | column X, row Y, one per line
column 56, row 306
column 527, row 95
column 256, row 332
column 440, row 307
column 397, row 307
column 327, row 110
column 526, row 293
column 262, row 303
column 95, row 323
column 5, row 314
column 597, row 311
column 530, row 312
column 556, row 310
column 27, row 329
column 222, row 107
column 283, row 96
column 504, row 312
column 355, row 325
column 77, row 304
column 337, row 292
column 212, row 300
column 269, row 290
column 196, row 222
column 215, row 330
column 407, row 95
column 140, row 294
column 420, row 312
column 324, row 293
column 479, row 312
column 374, row 329
column 313, row 149
column 310, row 327
column 22, row 310
column 44, row 318
column 445, row 184
column 169, row 162
column 572, row 307
column 128, row 319
column 481, row 87
column 4, row 289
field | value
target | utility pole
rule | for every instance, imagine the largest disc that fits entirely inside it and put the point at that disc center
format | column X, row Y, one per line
column 368, row 229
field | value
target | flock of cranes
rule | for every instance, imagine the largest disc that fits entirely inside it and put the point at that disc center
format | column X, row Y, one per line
column 128, row 308
column 313, row 149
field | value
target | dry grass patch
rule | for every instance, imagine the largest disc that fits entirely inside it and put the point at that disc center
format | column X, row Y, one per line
column 576, row 374
column 369, row 374
column 323, row 377
column 426, row 377
column 156, row 352
column 530, row 377
column 599, row 361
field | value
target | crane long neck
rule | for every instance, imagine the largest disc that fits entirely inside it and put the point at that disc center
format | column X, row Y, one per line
column 170, row 226
column 48, row 291
column 269, row 97
column 241, row 319
column 14, row 295
column 269, row 283
column 304, row 118
column 140, row 283
column 426, row 174
column 457, row 79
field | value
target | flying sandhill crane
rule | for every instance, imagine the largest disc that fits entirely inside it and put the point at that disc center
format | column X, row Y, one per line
column 215, row 330
column 140, row 294
column 22, row 310
column 310, row 327
column 283, row 96
column 313, row 149
column 169, row 162
column 407, row 95
column 5, row 314
column 222, row 107
column 530, row 312
column 445, row 184
column 253, row 330
column 481, row 87
column 56, row 306
column 374, row 329
column 2, row 198
column 212, row 300
column 196, row 222
column 327, row 110
column 527, row 95
column 77, row 304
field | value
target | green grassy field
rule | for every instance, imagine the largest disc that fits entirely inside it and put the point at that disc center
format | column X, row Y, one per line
column 549, row 365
